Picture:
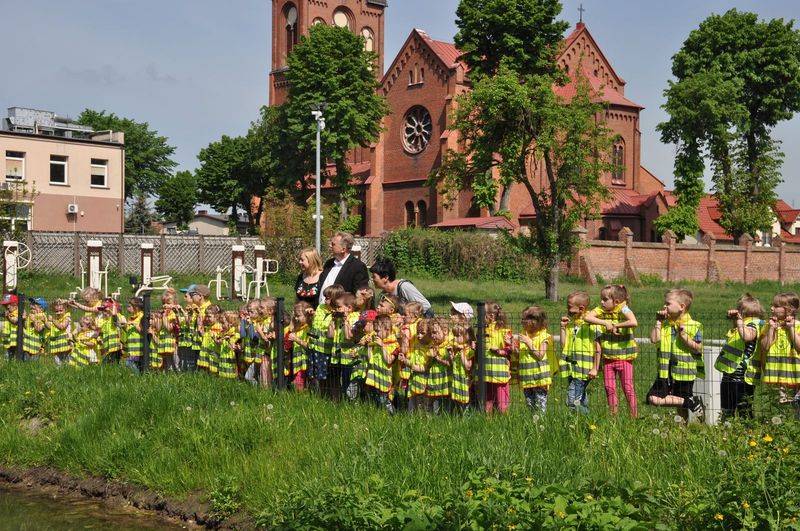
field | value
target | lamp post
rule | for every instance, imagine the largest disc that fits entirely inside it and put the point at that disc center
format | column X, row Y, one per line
column 317, row 114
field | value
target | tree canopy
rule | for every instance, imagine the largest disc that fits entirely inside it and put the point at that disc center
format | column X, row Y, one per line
column 736, row 79
column 516, row 130
column 177, row 197
column 147, row 155
column 331, row 66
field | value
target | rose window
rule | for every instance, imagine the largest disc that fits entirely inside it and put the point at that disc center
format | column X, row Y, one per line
column 417, row 130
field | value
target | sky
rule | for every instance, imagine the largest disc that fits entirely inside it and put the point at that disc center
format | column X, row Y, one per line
column 195, row 70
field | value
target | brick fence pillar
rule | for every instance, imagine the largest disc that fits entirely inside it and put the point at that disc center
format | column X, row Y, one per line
column 575, row 264
column 746, row 241
column 781, row 245
column 670, row 239
column 630, row 271
column 712, row 269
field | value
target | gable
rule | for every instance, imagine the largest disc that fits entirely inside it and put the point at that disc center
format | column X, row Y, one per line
column 439, row 59
column 580, row 49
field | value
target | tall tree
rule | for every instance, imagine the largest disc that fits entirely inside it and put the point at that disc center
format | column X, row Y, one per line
column 177, row 197
column 332, row 66
column 515, row 129
column 224, row 172
column 140, row 217
column 147, row 155
column 736, row 79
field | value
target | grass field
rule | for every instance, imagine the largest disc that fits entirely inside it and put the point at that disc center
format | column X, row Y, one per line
column 292, row 460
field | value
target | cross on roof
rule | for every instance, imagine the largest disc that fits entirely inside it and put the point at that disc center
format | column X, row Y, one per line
column 581, row 9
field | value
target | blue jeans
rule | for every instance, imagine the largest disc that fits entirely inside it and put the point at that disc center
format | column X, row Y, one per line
column 577, row 397
column 536, row 398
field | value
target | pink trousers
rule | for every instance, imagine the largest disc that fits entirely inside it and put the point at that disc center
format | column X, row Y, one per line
column 496, row 397
column 625, row 370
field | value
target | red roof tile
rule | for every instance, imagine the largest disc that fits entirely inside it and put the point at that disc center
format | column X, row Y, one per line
column 608, row 95
column 788, row 237
column 493, row 222
column 786, row 213
column 624, row 202
column 707, row 217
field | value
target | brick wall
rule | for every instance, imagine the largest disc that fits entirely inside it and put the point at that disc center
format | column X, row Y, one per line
column 672, row 261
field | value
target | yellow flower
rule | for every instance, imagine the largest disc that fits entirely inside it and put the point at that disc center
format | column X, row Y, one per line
column 753, row 443
column 745, row 505
column 489, row 490
column 529, row 479
column 561, row 514
column 719, row 517
column 786, row 450
column 588, row 497
column 512, row 526
column 767, row 438
column 468, row 493
column 592, row 427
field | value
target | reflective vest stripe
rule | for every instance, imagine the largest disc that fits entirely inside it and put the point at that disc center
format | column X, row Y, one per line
column 675, row 360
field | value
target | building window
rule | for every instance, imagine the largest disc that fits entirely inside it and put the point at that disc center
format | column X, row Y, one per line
column 317, row 21
column 58, row 169
column 99, row 177
column 422, row 214
column 417, row 130
column 15, row 165
column 369, row 39
column 410, row 214
column 341, row 18
column 618, row 163
column 291, row 28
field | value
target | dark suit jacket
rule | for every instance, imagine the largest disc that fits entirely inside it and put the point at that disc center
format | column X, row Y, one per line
column 352, row 276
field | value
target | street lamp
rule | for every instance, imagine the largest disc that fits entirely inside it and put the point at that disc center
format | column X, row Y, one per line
column 317, row 114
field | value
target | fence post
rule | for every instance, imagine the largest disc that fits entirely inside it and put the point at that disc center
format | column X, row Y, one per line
column 145, row 332
column 201, row 254
column 279, row 313
column 481, row 355
column 20, row 325
column 746, row 241
column 778, row 241
column 669, row 238
column 121, row 253
column 161, row 256
column 76, row 254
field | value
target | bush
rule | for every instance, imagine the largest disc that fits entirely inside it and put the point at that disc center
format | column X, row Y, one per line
column 456, row 254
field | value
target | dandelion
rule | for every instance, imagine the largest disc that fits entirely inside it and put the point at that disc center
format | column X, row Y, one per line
column 678, row 419
column 664, row 435
column 592, row 427
column 656, row 416
column 753, row 444
column 512, row 526
column 727, row 424
column 786, row 450
column 561, row 514
column 528, row 479
column 656, row 431
column 335, row 426
column 745, row 505
column 767, row 438
column 468, row 493
column 722, row 453
column 188, row 408
column 777, row 420
column 719, row 517
column 588, row 498
column 270, row 407
column 536, row 418
column 233, row 403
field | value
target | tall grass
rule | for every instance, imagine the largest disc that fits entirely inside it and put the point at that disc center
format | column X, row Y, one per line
column 283, row 453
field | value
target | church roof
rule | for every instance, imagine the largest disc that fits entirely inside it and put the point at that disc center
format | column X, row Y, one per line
column 608, row 95
column 488, row 223
column 445, row 51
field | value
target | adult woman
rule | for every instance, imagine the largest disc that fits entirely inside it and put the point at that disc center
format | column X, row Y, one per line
column 307, row 286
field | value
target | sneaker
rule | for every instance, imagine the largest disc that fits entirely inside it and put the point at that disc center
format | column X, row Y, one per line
column 696, row 407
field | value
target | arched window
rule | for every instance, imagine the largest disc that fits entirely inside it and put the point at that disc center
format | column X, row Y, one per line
column 290, row 14
column 416, row 73
column 422, row 75
column 618, row 162
column 411, row 217
column 422, row 214
column 317, row 21
column 342, row 18
column 369, row 39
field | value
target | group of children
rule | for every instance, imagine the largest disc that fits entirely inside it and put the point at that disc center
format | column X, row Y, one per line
column 400, row 360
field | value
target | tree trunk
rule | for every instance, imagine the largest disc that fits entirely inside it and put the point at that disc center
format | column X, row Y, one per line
column 505, row 198
column 551, row 283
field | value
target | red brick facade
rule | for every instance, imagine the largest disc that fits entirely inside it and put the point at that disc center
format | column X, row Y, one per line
column 421, row 86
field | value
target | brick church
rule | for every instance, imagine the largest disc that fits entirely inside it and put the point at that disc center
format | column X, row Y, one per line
column 421, row 85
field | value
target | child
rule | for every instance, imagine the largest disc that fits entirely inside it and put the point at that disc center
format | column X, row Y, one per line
column 187, row 355
column 248, row 322
column 779, row 344
column 363, row 330
column 87, row 343
column 302, row 314
column 680, row 362
column 170, row 330
column 461, row 312
column 60, row 332
column 34, row 332
column 10, row 320
column 440, row 367
column 535, row 352
column 580, row 354
column 321, row 345
column 340, row 331
column 212, row 330
column 91, row 298
column 199, row 294
column 108, row 323
column 618, row 346
column 736, row 393
column 401, row 371
column 418, row 360
column 463, row 355
column 133, row 334
column 228, row 345
column 365, row 299
column 266, row 355
column 498, row 354
column 383, row 348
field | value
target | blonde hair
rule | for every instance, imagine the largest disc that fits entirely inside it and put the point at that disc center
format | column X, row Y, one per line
column 90, row 294
column 789, row 300
column 749, row 306
column 314, row 260
column 536, row 314
column 413, row 309
column 581, row 298
column 682, row 295
column 496, row 311
column 618, row 292
column 464, row 330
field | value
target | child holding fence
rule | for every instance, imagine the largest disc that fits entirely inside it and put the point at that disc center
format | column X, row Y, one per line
column 462, row 355
column 499, row 343
column 736, row 392
column 297, row 337
column 60, row 332
column 320, row 345
column 383, row 348
column 618, row 346
column 10, row 323
column 778, row 358
column 680, row 361
column 418, row 361
column 440, row 366
column 535, row 354
column 580, row 351
column 34, row 333
column 108, row 323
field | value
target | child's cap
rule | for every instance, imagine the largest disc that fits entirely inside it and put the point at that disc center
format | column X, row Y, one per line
column 201, row 289
column 109, row 304
column 9, row 298
column 188, row 289
column 464, row 309
column 368, row 316
column 38, row 301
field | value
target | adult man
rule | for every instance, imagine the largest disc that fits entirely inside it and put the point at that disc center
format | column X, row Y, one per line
column 343, row 268
column 384, row 278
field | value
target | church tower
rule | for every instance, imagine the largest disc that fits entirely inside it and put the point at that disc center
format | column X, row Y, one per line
column 292, row 18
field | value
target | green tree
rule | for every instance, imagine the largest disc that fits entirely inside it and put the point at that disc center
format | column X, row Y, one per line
column 736, row 79
column 177, row 197
column 331, row 65
column 515, row 129
column 147, row 155
column 225, row 175
column 140, row 217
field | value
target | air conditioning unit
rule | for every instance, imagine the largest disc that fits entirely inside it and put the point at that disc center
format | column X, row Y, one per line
column 4, row 186
column 72, row 208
